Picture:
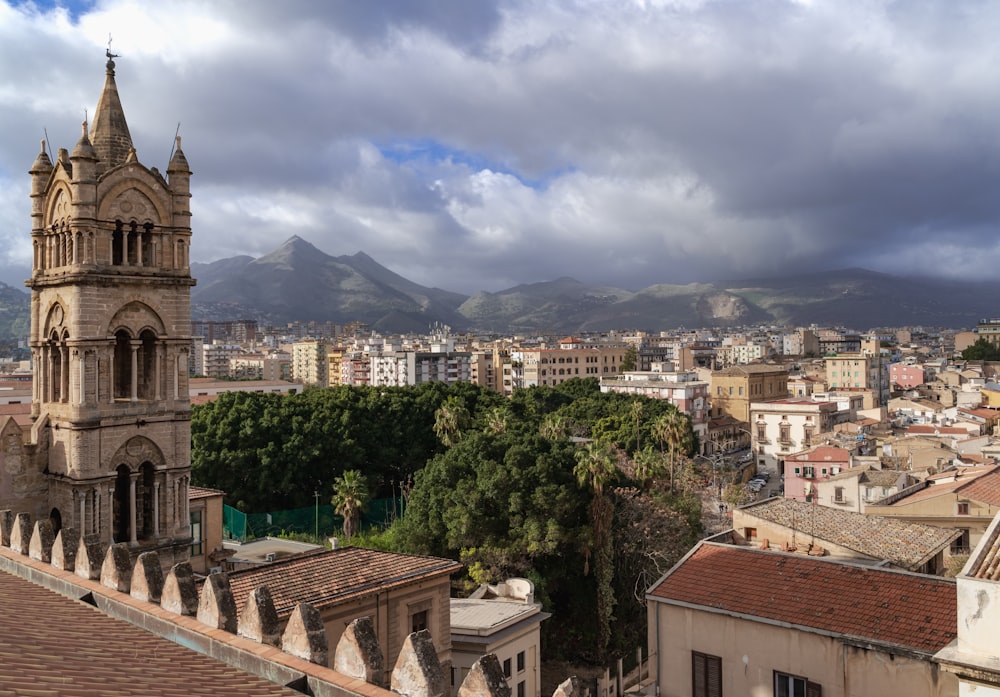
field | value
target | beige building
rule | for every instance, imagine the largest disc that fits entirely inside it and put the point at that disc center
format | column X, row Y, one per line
column 573, row 359
column 402, row 593
column 109, row 448
column 858, row 371
column 963, row 498
column 733, row 389
column 733, row 620
column 504, row 620
column 207, row 551
column 309, row 362
column 821, row 531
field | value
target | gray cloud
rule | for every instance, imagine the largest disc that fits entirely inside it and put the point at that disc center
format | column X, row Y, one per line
column 480, row 145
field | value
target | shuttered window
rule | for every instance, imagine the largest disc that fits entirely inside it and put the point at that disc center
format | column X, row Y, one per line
column 706, row 675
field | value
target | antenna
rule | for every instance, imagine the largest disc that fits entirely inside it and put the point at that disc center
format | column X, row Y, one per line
column 174, row 144
column 48, row 145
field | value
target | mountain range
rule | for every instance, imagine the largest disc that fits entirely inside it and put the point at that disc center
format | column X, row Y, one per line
column 297, row 281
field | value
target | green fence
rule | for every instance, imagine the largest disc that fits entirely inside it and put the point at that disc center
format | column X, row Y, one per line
column 313, row 520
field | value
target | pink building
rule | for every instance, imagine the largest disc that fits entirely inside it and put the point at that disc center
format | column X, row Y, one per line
column 905, row 375
column 804, row 470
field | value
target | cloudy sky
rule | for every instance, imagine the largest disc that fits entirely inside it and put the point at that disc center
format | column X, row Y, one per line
column 478, row 145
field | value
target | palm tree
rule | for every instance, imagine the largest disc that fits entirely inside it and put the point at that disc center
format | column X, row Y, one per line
column 554, row 427
column 350, row 497
column 496, row 421
column 673, row 431
column 450, row 420
column 595, row 468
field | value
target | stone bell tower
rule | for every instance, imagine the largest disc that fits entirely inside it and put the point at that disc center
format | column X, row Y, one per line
column 110, row 335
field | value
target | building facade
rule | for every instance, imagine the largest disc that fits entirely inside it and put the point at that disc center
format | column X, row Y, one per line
column 109, row 449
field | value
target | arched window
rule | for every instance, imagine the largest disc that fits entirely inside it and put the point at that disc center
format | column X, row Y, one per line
column 147, row 365
column 122, row 514
column 117, row 245
column 55, row 519
column 147, row 245
column 132, row 240
column 123, row 364
column 144, row 502
column 56, row 367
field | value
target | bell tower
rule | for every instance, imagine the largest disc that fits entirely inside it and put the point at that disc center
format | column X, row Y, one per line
column 110, row 336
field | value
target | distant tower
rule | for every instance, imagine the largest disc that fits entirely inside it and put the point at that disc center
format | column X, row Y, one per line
column 110, row 337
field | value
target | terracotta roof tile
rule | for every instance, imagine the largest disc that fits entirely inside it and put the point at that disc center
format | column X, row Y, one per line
column 985, row 489
column 893, row 607
column 901, row 542
column 334, row 576
column 59, row 646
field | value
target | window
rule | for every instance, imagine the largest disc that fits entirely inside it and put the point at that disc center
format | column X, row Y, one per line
column 196, row 540
column 706, row 675
column 794, row 686
column 960, row 545
column 506, row 667
column 418, row 621
column 838, row 494
column 520, row 689
column 750, row 534
column 963, row 508
column 520, row 661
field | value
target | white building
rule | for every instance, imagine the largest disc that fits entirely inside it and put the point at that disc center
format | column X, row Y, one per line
column 682, row 389
column 787, row 426
column 504, row 620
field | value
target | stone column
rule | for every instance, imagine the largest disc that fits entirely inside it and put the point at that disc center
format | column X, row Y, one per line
column 111, row 513
column 185, row 506
column 158, row 372
column 76, row 248
column 82, row 525
column 156, row 509
column 131, row 506
column 135, row 371
column 81, row 366
column 124, row 246
column 111, row 375
column 64, row 380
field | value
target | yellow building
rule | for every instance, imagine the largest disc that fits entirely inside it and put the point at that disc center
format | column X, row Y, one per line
column 733, row 389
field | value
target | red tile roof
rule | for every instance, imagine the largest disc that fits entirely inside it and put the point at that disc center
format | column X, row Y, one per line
column 878, row 605
column 335, row 576
column 54, row 645
column 984, row 489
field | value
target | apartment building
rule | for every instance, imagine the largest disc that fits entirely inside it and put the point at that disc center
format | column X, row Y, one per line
column 573, row 359
column 785, row 426
column 733, row 389
column 309, row 362
column 682, row 389
column 216, row 357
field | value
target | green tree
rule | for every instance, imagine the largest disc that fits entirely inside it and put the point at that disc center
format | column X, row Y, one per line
column 451, row 420
column 982, row 350
column 595, row 469
column 350, row 497
column 629, row 360
column 673, row 431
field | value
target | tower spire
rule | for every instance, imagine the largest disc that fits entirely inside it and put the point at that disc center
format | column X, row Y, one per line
column 109, row 132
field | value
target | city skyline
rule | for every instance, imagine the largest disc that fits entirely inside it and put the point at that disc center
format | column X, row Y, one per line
column 477, row 146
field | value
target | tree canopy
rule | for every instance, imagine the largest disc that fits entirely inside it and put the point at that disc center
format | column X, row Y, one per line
column 586, row 494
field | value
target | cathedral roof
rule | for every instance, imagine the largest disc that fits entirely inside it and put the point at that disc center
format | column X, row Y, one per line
column 109, row 132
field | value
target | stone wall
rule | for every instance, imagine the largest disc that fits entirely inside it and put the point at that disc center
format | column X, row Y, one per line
column 131, row 590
